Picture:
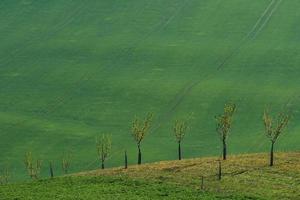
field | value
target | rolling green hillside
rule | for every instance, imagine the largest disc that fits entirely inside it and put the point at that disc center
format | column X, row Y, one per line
column 74, row 69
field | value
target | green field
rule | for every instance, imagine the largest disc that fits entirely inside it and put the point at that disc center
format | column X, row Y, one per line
column 74, row 69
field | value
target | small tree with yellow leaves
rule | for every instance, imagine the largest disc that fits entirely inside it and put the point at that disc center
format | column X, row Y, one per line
column 103, row 145
column 180, row 129
column 224, row 123
column 274, row 128
column 140, row 128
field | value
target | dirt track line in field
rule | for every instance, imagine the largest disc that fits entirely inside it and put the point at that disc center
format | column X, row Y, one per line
column 261, row 18
column 257, row 28
column 61, row 100
column 172, row 17
column 268, row 18
column 55, row 29
column 129, row 52
column 179, row 97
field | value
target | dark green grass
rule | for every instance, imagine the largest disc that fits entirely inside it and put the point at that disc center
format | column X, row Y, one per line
column 72, row 70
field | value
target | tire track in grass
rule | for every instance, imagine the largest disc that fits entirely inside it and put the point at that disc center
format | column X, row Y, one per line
column 55, row 29
column 268, row 18
column 19, row 14
column 69, row 19
column 256, row 29
column 156, row 28
column 261, row 18
column 261, row 140
column 129, row 52
column 61, row 100
column 87, row 76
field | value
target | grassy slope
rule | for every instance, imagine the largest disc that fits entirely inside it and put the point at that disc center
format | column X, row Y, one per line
column 98, row 188
column 244, row 177
column 70, row 71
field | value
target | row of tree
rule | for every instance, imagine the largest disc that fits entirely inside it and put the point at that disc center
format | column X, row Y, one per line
column 274, row 127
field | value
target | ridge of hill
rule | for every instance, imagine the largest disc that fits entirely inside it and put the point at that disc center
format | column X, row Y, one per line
column 243, row 177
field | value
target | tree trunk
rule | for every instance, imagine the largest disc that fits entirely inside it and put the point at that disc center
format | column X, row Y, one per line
column 272, row 154
column 102, row 161
column 224, row 150
column 179, row 150
column 102, row 157
column 139, row 156
column 126, row 160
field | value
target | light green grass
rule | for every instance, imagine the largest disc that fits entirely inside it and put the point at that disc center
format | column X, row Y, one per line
column 72, row 70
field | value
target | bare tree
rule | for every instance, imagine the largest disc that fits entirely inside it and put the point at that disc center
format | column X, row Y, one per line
column 103, row 146
column 180, row 129
column 224, row 123
column 274, row 128
column 66, row 163
column 140, row 129
column 33, row 166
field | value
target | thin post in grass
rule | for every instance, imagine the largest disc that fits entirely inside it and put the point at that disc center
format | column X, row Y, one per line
column 202, row 182
column 51, row 170
column 126, row 160
column 220, row 170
